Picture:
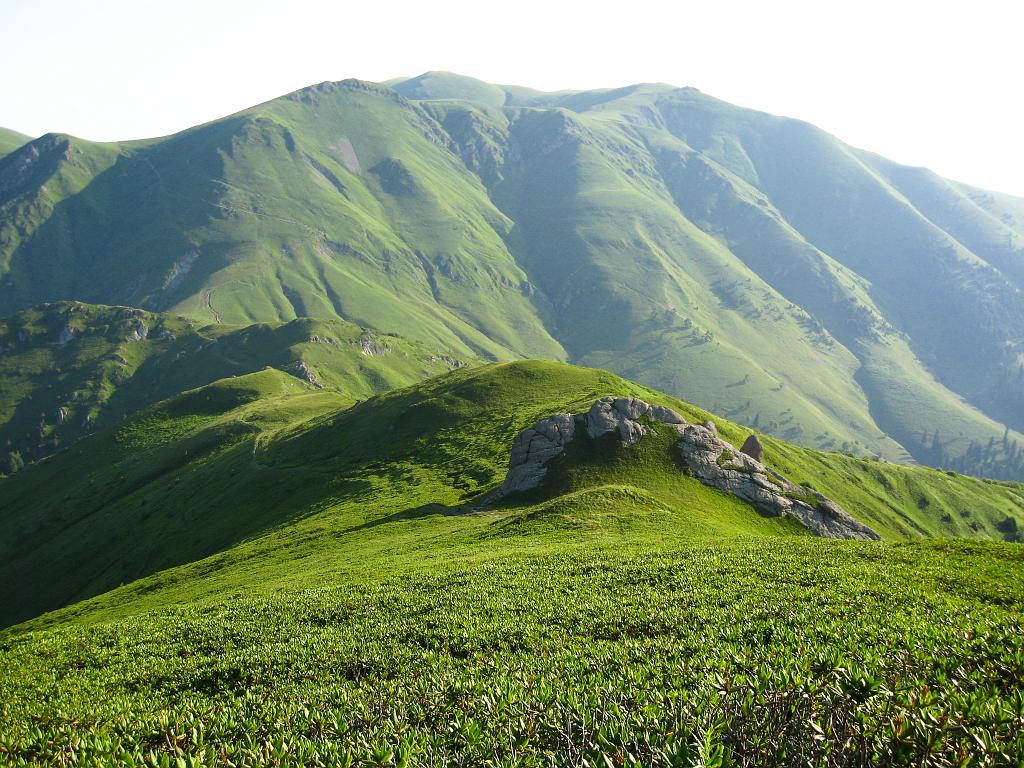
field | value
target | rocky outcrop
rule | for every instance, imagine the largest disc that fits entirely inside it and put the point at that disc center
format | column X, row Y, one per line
column 316, row 339
column 622, row 414
column 370, row 346
column 139, row 331
column 451, row 362
column 705, row 454
column 752, row 447
column 67, row 333
column 717, row 463
column 533, row 449
column 302, row 370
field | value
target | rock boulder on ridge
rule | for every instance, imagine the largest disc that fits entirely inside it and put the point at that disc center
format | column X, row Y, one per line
column 706, row 455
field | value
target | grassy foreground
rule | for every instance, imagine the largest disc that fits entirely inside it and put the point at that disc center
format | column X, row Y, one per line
column 304, row 581
column 751, row 652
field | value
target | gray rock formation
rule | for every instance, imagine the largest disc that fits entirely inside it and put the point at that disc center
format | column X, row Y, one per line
column 621, row 414
column 752, row 447
column 302, row 371
column 60, row 415
column 67, row 333
column 316, row 339
column 708, row 457
column 139, row 331
column 665, row 415
column 717, row 463
column 533, row 449
column 451, row 362
column 370, row 346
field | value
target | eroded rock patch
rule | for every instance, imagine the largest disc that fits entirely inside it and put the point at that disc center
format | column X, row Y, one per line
column 705, row 454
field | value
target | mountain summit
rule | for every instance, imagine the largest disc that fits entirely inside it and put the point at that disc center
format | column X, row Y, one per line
column 753, row 264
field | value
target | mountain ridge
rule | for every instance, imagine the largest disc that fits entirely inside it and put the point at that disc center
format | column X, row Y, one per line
column 11, row 140
column 275, row 471
column 70, row 369
column 663, row 214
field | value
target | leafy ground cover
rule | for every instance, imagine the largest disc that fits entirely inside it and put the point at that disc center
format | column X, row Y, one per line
column 746, row 652
column 256, row 572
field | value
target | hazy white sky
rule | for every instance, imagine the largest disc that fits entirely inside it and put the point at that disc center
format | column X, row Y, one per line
column 925, row 83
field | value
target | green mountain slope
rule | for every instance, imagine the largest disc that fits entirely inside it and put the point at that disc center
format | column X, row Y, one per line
column 752, row 264
column 261, row 481
column 11, row 140
column 69, row 369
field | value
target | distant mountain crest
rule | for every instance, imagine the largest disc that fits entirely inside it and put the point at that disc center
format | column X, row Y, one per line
column 750, row 263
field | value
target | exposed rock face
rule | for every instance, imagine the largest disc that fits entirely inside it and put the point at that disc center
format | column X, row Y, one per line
column 371, row 347
column 59, row 415
column 179, row 271
column 533, row 449
column 307, row 374
column 67, row 333
column 139, row 331
column 621, row 414
column 711, row 460
column 451, row 362
column 717, row 463
column 315, row 339
column 752, row 447
column 665, row 415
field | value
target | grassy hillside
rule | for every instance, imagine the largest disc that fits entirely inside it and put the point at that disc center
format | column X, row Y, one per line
column 278, row 484
column 751, row 264
column 339, row 598
column 271, row 215
column 11, row 140
column 68, row 369
column 720, row 653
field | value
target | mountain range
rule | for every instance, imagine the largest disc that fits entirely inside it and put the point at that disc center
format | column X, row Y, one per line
column 754, row 265
column 311, row 453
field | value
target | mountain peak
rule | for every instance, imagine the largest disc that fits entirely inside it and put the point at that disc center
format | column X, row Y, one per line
column 440, row 85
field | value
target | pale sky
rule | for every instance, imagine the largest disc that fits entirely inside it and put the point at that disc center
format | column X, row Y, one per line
column 924, row 83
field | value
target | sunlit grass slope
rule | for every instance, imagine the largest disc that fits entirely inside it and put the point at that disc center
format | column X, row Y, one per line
column 751, row 264
column 312, row 582
column 11, row 140
column 744, row 653
column 276, row 484
column 68, row 369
